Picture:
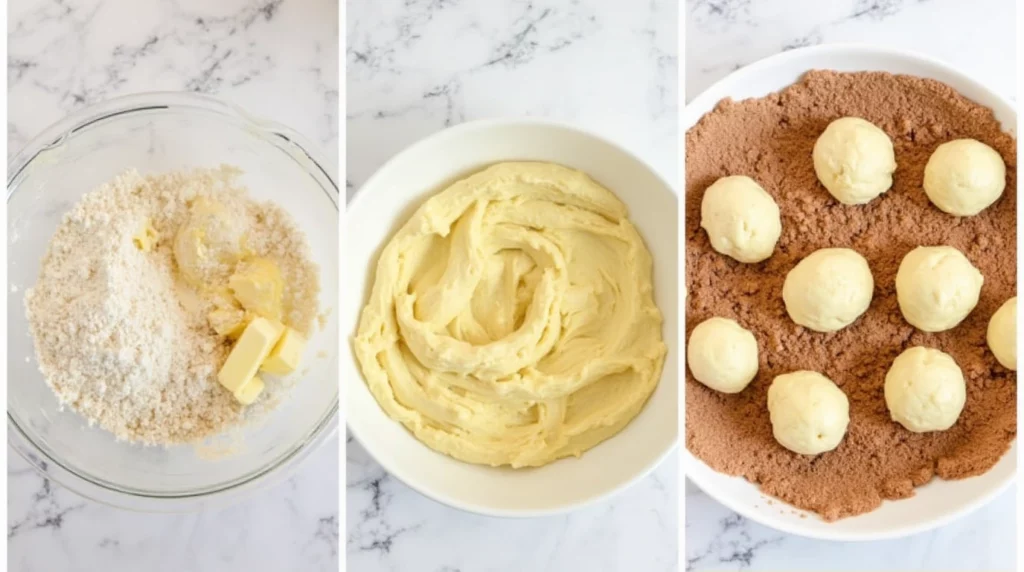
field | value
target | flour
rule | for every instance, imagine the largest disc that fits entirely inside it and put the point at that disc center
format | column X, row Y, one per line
column 120, row 336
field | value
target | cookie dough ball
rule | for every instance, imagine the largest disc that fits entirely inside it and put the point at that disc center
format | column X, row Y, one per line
column 722, row 355
column 854, row 160
column 809, row 413
column 925, row 390
column 741, row 219
column 1002, row 334
column 964, row 176
column 936, row 287
column 829, row 289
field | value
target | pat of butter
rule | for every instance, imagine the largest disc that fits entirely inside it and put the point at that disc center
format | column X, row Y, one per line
column 258, row 286
column 286, row 355
column 250, row 391
column 146, row 237
column 229, row 322
column 252, row 348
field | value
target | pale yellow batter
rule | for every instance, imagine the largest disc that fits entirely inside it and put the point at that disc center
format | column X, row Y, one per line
column 511, row 320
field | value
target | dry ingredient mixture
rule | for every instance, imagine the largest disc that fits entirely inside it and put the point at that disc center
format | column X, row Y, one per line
column 129, row 291
column 770, row 139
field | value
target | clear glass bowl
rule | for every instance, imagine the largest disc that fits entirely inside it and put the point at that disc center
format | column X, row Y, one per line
column 161, row 132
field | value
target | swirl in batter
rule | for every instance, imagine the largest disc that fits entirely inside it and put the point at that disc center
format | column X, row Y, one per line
column 512, row 320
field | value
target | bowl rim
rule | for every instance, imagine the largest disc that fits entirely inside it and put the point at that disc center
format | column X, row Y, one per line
column 691, row 114
column 284, row 139
column 408, row 477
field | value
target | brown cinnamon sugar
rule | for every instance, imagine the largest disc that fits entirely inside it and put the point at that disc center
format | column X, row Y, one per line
column 770, row 139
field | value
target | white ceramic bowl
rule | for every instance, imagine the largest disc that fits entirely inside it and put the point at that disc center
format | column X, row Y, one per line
column 390, row 197
column 938, row 502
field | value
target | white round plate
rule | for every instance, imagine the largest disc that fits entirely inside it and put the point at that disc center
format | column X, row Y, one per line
column 938, row 502
column 389, row 198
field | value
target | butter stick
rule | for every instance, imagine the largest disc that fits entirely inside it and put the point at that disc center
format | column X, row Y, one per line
column 252, row 348
column 286, row 355
column 248, row 393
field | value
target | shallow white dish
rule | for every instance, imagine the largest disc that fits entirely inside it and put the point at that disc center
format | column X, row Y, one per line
column 389, row 198
column 938, row 502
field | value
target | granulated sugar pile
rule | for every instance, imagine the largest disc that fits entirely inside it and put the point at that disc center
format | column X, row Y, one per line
column 121, row 337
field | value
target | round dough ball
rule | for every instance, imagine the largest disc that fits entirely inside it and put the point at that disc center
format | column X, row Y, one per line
column 854, row 160
column 829, row 289
column 722, row 355
column 964, row 176
column 1002, row 334
column 936, row 287
column 925, row 390
column 809, row 413
column 741, row 219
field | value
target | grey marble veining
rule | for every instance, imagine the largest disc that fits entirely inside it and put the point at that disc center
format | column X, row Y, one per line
column 417, row 66
column 595, row 63
column 724, row 35
column 391, row 527
column 719, row 539
column 277, row 59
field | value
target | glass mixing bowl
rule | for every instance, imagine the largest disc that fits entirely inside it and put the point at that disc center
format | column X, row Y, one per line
column 154, row 133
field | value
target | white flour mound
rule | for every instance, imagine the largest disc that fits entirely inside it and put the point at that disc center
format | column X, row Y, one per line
column 119, row 336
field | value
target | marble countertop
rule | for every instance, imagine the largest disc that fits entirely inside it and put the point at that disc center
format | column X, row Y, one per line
column 724, row 35
column 275, row 58
column 417, row 67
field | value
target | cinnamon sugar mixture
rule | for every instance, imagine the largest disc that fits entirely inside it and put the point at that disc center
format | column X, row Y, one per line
column 770, row 139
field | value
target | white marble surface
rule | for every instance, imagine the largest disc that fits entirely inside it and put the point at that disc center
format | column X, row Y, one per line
column 719, row 539
column 415, row 67
column 276, row 58
column 723, row 35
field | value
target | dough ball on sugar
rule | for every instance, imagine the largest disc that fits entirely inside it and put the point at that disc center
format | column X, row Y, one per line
column 809, row 413
column 937, row 287
column 964, row 176
column 722, row 355
column 925, row 390
column 829, row 289
column 1002, row 334
column 741, row 219
column 854, row 160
